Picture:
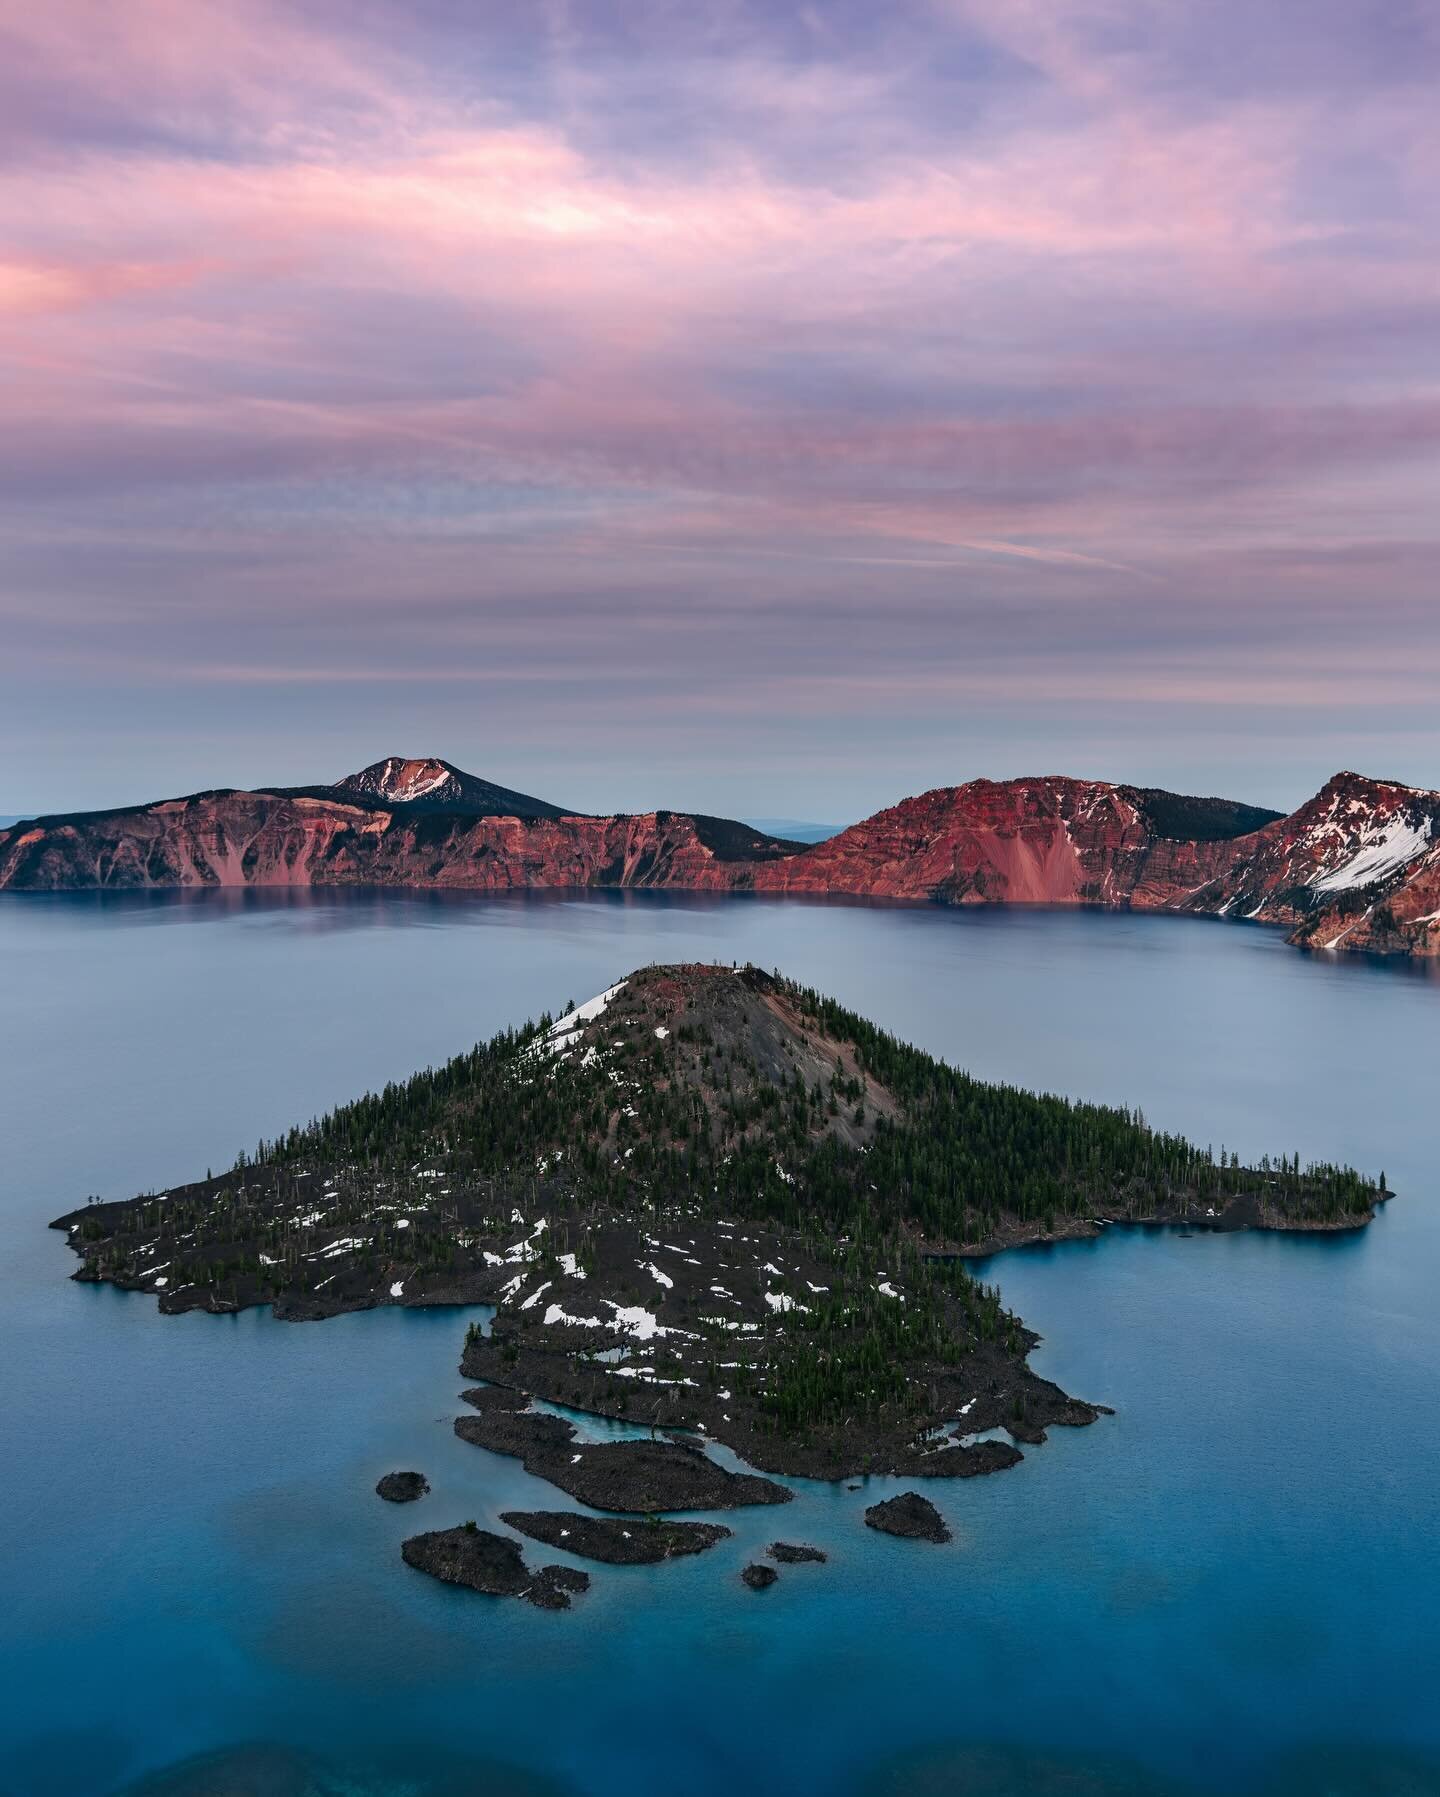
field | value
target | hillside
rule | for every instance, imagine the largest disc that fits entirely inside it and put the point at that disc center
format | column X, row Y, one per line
column 710, row 1198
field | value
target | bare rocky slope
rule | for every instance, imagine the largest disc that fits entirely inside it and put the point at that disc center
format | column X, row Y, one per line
column 1356, row 867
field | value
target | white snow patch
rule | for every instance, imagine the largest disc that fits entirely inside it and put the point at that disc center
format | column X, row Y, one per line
column 1382, row 850
column 398, row 1289
column 783, row 1301
column 659, row 1277
column 561, row 1035
column 633, row 1319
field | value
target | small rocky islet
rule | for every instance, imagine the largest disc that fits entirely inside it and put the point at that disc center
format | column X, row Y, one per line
column 910, row 1516
column 493, row 1564
column 616, row 1542
column 713, row 1203
column 790, row 1553
column 402, row 1488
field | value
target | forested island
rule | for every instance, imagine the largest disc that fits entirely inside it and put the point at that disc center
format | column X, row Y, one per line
column 712, row 1201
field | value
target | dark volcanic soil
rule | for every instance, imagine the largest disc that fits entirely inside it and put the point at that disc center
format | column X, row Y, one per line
column 617, row 1543
column 909, row 1515
column 493, row 1564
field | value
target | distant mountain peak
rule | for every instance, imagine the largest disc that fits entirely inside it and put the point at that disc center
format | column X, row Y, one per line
column 403, row 780
column 427, row 783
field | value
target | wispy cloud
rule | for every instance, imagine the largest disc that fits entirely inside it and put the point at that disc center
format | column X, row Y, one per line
column 642, row 325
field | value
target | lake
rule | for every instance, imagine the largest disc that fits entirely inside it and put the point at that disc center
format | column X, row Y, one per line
column 1232, row 1584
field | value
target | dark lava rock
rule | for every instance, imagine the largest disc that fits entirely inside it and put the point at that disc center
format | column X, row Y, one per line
column 759, row 1578
column 639, row 1476
column 554, row 1586
column 968, row 1463
column 910, row 1515
column 608, row 1538
column 789, row 1554
column 403, row 1488
column 495, row 1397
column 493, row 1564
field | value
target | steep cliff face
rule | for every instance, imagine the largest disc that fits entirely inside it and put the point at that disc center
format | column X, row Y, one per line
column 1357, row 867
column 1045, row 841
column 270, row 839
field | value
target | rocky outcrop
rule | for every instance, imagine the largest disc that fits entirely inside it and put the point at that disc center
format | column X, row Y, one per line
column 758, row 1577
column 1357, row 867
column 910, row 1515
column 402, row 1488
column 790, row 1553
column 492, row 1564
column 615, row 1542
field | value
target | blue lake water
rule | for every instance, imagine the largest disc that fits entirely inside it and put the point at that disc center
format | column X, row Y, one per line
column 1233, row 1584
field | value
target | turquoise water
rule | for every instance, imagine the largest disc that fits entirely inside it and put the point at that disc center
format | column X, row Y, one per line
column 1232, row 1584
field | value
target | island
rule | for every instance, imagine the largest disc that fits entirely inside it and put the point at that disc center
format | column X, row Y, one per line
column 712, row 1202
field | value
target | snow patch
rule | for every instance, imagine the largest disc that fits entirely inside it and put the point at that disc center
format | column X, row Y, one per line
column 1382, row 850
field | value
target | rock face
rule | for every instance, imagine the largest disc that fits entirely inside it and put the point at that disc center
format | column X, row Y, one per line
column 759, row 1578
column 910, row 1515
column 402, row 1488
column 609, row 1539
column 1356, row 867
column 343, row 837
column 492, row 1564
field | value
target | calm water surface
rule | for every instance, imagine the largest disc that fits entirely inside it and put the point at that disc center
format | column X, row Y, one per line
column 1232, row 1584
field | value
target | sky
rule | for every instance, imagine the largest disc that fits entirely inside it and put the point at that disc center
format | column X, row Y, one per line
column 746, row 405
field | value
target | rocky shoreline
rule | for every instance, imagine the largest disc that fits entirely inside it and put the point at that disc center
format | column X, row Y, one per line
column 643, row 1477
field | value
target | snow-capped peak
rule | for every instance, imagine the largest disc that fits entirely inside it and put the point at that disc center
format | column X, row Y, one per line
column 403, row 781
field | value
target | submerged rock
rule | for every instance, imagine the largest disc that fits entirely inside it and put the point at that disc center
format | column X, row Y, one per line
column 790, row 1553
column 492, row 1564
column 614, row 1541
column 909, row 1515
column 759, row 1578
column 402, row 1488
